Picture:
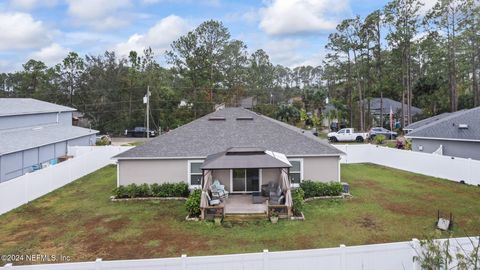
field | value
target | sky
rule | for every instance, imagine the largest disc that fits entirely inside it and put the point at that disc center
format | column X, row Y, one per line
column 292, row 32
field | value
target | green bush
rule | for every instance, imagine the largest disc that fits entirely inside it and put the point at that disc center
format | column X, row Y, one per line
column 319, row 189
column 379, row 139
column 297, row 197
column 193, row 203
column 132, row 190
column 153, row 190
column 121, row 192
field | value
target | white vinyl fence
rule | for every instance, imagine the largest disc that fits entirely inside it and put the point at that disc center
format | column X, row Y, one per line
column 23, row 189
column 451, row 168
column 391, row 256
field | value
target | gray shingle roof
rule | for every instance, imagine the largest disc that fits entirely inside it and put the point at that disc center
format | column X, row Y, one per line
column 18, row 106
column 375, row 105
column 203, row 137
column 14, row 140
column 448, row 127
column 426, row 121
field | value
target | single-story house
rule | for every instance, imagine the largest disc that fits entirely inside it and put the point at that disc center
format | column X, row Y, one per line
column 381, row 107
column 241, row 149
column 455, row 134
column 35, row 134
column 248, row 102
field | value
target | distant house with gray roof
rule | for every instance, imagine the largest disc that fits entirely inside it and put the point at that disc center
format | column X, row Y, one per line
column 34, row 134
column 451, row 134
column 248, row 102
column 247, row 143
column 381, row 107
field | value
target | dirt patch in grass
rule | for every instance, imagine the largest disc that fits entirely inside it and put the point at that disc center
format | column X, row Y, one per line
column 405, row 209
column 368, row 222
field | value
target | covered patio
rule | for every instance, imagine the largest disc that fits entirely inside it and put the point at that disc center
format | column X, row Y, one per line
column 245, row 180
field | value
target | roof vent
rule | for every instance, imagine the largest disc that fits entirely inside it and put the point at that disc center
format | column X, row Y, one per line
column 216, row 118
column 245, row 118
column 463, row 126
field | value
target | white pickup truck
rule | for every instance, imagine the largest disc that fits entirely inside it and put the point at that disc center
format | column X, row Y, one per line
column 347, row 135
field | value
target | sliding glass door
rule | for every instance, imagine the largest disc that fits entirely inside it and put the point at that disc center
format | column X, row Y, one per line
column 245, row 180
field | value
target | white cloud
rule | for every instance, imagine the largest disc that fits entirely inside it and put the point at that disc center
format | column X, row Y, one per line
column 31, row 4
column 250, row 16
column 285, row 51
column 99, row 14
column 21, row 31
column 157, row 37
column 427, row 5
column 50, row 55
column 301, row 16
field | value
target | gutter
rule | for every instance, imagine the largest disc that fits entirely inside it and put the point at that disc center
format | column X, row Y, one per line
column 204, row 157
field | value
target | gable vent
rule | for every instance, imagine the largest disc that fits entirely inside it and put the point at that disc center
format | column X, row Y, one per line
column 216, row 118
column 245, row 118
column 463, row 126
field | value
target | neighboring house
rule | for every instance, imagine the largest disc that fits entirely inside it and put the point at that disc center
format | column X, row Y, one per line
column 381, row 106
column 248, row 103
column 241, row 149
column 454, row 134
column 329, row 115
column 426, row 121
column 295, row 99
column 34, row 134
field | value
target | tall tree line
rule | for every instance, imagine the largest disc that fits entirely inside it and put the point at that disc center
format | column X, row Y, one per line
column 206, row 67
column 428, row 60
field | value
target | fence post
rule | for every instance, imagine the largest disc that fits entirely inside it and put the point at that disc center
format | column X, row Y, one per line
column 98, row 264
column 8, row 265
column 343, row 257
column 265, row 259
column 415, row 249
column 184, row 261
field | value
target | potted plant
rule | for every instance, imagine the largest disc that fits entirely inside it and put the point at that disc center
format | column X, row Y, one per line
column 274, row 217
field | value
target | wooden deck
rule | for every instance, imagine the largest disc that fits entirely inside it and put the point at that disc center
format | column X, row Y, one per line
column 243, row 204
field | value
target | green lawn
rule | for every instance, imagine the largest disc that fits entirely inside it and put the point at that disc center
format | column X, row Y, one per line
column 80, row 221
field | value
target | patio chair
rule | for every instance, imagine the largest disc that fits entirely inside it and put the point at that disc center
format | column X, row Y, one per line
column 218, row 190
column 212, row 202
column 276, row 195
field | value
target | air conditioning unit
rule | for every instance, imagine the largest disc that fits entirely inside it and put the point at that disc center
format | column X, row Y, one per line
column 345, row 188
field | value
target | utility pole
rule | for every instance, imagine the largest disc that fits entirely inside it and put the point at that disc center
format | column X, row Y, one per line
column 146, row 99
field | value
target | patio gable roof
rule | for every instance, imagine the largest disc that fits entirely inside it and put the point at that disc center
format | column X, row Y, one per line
column 245, row 158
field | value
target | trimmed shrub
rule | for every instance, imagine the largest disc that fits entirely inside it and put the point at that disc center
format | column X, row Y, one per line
column 143, row 191
column 319, row 189
column 193, row 203
column 297, row 197
column 132, row 190
column 379, row 139
column 120, row 192
column 153, row 190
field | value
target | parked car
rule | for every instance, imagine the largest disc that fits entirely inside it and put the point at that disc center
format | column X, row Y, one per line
column 383, row 131
column 335, row 126
column 347, row 135
column 140, row 132
column 103, row 140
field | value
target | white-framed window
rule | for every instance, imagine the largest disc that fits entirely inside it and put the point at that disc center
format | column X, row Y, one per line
column 296, row 171
column 195, row 174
